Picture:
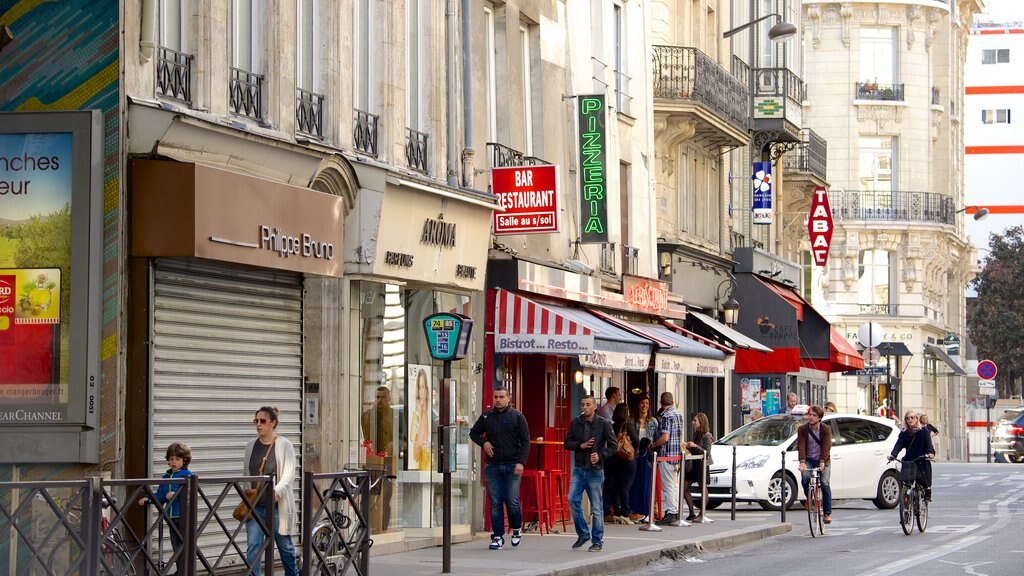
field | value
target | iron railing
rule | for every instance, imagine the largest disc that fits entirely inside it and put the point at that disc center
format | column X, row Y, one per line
column 336, row 523
column 684, row 73
column 504, row 156
column 630, row 260
column 364, row 134
column 174, row 74
column 416, row 147
column 879, row 309
column 810, row 156
column 892, row 206
column 608, row 257
column 876, row 91
column 309, row 113
column 246, row 93
column 779, row 82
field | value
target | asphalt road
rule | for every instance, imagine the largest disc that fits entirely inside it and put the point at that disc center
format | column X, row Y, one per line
column 975, row 527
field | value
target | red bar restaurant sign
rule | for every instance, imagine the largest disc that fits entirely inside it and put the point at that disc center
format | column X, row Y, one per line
column 819, row 226
column 529, row 195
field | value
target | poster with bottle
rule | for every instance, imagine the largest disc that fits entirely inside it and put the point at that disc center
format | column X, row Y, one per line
column 30, row 333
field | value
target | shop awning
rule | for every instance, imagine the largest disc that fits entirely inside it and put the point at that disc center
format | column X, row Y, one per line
column 894, row 349
column 522, row 326
column 738, row 339
column 614, row 348
column 939, row 353
column 686, row 355
column 789, row 296
column 842, row 354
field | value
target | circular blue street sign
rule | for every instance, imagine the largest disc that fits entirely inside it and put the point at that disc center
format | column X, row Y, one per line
column 987, row 370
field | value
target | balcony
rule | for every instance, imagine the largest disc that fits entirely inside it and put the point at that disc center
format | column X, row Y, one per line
column 630, row 260
column 505, row 157
column 809, row 158
column 364, row 132
column 778, row 103
column 309, row 114
column 174, row 75
column 608, row 258
column 892, row 206
column 876, row 91
column 691, row 85
column 246, row 94
column 416, row 150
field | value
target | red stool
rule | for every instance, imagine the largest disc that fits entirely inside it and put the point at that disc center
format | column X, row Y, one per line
column 540, row 504
column 558, row 504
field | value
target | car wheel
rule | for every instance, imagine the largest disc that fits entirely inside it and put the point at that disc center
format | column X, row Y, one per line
column 1017, row 459
column 713, row 504
column 888, row 491
column 999, row 457
column 775, row 493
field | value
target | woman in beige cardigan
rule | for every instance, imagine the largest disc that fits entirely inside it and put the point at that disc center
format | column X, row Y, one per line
column 270, row 454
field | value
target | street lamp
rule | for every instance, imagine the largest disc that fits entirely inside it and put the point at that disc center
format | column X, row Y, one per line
column 730, row 308
column 979, row 212
column 780, row 32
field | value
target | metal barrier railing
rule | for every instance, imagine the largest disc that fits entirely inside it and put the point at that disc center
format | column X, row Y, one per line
column 336, row 523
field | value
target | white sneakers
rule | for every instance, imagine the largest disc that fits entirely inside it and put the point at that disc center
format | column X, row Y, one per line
column 517, row 537
column 498, row 541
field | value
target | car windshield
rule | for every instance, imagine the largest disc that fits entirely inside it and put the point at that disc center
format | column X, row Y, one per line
column 1011, row 414
column 770, row 431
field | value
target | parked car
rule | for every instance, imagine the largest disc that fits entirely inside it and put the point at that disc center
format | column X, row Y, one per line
column 1008, row 438
column 860, row 470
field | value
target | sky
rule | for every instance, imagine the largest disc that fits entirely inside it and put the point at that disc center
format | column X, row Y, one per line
column 47, row 190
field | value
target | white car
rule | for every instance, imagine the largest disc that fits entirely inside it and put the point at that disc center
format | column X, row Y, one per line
column 860, row 445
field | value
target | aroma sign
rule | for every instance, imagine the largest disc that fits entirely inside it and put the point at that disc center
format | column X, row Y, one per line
column 819, row 226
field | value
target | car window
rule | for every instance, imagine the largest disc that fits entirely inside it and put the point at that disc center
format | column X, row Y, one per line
column 1011, row 414
column 857, row 431
column 770, row 431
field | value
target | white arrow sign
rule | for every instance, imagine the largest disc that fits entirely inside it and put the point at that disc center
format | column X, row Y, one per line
column 986, row 383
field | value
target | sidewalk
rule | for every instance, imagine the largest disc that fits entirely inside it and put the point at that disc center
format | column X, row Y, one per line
column 625, row 549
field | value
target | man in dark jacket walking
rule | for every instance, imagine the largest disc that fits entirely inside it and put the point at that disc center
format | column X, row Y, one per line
column 505, row 437
column 592, row 442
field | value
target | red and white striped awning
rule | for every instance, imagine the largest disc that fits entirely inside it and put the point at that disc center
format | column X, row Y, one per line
column 521, row 326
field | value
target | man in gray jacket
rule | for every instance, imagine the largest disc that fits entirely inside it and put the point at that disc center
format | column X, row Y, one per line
column 592, row 442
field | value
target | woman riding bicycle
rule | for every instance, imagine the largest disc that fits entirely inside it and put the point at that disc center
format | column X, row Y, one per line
column 917, row 442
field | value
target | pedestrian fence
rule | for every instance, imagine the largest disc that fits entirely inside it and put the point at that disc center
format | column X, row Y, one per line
column 97, row 527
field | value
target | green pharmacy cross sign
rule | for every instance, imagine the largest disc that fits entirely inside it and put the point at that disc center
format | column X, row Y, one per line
column 448, row 335
column 593, row 174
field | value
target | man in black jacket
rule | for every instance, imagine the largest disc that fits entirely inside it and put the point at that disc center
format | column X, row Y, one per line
column 592, row 442
column 505, row 437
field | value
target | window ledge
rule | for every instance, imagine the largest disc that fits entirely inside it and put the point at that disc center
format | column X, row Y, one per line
column 895, row 103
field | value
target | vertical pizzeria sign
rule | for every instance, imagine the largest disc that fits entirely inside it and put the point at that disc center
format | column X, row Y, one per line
column 594, row 174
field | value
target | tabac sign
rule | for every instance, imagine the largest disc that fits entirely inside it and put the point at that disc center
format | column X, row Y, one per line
column 593, row 172
column 819, row 226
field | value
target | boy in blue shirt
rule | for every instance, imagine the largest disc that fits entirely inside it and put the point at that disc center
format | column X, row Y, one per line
column 179, row 455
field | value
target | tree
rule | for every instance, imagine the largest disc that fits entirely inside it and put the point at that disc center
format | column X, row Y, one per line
column 996, row 319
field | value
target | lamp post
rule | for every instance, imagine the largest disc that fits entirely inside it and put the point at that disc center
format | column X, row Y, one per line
column 730, row 308
column 979, row 212
column 780, row 32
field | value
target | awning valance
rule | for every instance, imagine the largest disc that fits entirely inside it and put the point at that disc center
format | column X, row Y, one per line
column 939, row 353
column 738, row 339
column 614, row 347
column 894, row 349
column 684, row 355
column 522, row 326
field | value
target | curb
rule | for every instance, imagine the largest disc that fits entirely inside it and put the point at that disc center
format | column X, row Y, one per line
column 632, row 560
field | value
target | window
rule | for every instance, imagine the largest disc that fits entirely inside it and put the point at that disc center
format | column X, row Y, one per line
column 700, row 194
column 412, row 64
column 620, row 58
column 876, row 169
column 492, row 82
column 879, row 56
column 995, row 56
column 527, row 65
column 306, row 48
column 363, row 59
column 876, row 278
column 857, row 431
column 1000, row 116
column 247, row 37
column 172, row 25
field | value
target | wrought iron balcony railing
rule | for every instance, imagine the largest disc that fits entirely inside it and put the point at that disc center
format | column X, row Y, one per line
column 309, row 113
column 810, row 156
column 683, row 73
column 364, row 132
column 630, row 260
column 608, row 257
column 505, row 156
column 779, row 82
column 416, row 150
column 246, row 96
column 876, row 91
column 174, row 74
column 892, row 206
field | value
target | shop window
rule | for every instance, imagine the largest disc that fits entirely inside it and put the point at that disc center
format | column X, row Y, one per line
column 995, row 56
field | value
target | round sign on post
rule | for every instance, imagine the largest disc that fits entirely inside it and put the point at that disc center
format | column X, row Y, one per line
column 987, row 370
column 870, row 334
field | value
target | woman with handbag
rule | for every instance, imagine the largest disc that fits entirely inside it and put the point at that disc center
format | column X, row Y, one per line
column 621, row 467
column 270, row 454
column 646, row 426
column 701, row 444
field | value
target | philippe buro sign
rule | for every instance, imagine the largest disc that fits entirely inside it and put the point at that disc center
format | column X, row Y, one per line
column 593, row 175
column 303, row 245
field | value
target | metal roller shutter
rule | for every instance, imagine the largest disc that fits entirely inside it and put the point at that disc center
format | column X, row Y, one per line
column 226, row 340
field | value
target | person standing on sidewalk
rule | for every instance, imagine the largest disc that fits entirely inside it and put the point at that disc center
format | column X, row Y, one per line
column 612, row 397
column 814, row 444
column 504, row 435
column 592, row 442
column 669, row 445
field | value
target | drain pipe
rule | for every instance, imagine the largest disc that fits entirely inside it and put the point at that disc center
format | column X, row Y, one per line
column 468, row 154
column 147, row 39
column 453, row 151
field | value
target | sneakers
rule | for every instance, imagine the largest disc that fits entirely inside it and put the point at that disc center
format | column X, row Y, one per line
column 638, row 518
column 669, row 518
column 497, row 542
column 594, row 548
column 580, row 541
column 827, row 519
column 517, row 537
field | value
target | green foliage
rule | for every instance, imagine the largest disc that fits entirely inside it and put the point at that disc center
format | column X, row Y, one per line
column 996, row 318
column 46, row 243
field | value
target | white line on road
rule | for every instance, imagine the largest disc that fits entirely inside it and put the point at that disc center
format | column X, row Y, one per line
column 893, row 567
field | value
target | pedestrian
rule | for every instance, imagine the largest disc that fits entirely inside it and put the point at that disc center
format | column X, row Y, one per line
column 378, row 430
column 612, row 397
column 814, row 446
column 504, row 435
column 830, row 407
column 273, row 455
column 179, row 456
column 646, row 426
column 621, row 469
column 700, row 445
column 669, row 445
column 791, row 402
column 592, row 442
column 923, row 420
column 756, row 414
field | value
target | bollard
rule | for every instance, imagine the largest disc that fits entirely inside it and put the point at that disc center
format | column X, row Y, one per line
column 682, row 486
column 732, row 516
column 704, row 519
column 651, row 527
column 782, row 477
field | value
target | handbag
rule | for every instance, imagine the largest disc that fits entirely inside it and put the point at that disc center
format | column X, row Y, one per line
column 625, row 450
column 243, row 512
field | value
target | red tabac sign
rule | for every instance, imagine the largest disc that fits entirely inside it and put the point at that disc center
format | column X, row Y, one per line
column 819, row 226
column 529, row 195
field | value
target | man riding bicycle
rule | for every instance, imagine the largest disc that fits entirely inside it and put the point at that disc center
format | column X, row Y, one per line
column 814, row 444
column 917, row 442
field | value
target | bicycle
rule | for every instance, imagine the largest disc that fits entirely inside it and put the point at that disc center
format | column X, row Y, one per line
column 913, row 505
column 335, row 536
column 114, row 557
column 815, row 514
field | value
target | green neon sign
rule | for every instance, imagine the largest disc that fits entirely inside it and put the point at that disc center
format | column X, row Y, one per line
column 594, row 176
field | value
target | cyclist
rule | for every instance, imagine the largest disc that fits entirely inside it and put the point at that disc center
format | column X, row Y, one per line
column 917, row 442
column 814, row 445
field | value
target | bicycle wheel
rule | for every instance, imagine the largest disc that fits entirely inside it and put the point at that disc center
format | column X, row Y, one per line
column 114, row 560
column 821, row 511
column 922, row 511
column 812, row 506
column 906, row 514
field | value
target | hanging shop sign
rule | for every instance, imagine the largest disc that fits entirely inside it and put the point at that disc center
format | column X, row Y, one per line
column 762, row 206
column 529, row 195
column 674, row 364
column 593, row 172
column 819, row 226
column 645, row 294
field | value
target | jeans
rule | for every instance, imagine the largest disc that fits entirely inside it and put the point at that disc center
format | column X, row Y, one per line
column 177, row 529
column 823, row 477
column 618, row 483
column 255, row 536
column 669, row 472
column 503, row 492
column 591, row 480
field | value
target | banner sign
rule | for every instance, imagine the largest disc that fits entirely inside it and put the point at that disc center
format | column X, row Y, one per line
column 593, row 173
column 608, row 360
column 529, row 195
column 762, row 206
column 674, row 364
column 819, row 226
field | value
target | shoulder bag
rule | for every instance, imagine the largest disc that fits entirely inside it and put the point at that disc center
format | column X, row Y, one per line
column 242, row 512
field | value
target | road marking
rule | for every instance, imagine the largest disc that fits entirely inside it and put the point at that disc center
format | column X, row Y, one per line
column 893, row 567
column 968, row 567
